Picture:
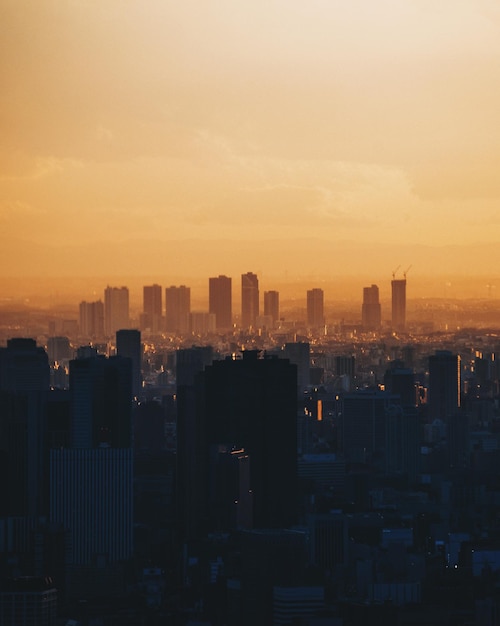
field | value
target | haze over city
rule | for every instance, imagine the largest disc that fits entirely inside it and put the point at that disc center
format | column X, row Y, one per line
column 321, row 140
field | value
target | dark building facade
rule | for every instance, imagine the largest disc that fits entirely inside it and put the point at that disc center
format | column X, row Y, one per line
column 246, row 404
column 101, row 401
column 128, row 345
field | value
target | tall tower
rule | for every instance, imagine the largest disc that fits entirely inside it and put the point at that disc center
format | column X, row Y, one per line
column 151, row 307
column 92, row 319
column 315, row 308
column 257, row 414
column 398, row 287
column 101, row 401
column 272, row 304
column 128, row 344
column 444, row 384
column 249, row 299
column 220, row 301
column 178, row 307
column 370, row 311
column 116, row 309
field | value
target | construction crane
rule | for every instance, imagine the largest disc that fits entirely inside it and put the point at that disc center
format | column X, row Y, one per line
column 394, row 272
column 407, row 270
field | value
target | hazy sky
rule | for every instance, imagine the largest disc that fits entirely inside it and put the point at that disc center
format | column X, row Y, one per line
column 353, row 120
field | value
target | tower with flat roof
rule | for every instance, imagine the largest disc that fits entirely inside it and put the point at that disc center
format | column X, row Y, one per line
column 249, row 299
column 220, row 302
column 371, row 311
column 177, row 309
column 315, row 308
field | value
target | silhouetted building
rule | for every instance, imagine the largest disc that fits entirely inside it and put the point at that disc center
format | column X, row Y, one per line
column 191, row 470
column 220, row 301
column 24, row 366
column 398, row 288
column 230, row 496
column 315, row 308
column 371, row 311
column 178, row 308
column 444, row 384
column 58, row 349
column 249, row 299
column 272, row 305
column 152, row 308
column 116, row 309
column 299, row 355
column 399, row 380
column 101, row 401
column 364, row 426
column 128, row 344
column 250, row 403
column 92, row 319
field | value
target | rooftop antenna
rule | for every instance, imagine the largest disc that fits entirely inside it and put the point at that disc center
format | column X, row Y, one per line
column 394, row 272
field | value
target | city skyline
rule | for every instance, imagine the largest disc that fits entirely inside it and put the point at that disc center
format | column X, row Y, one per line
column 135, row 140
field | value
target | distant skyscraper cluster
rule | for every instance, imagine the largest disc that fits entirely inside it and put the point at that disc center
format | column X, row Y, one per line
column 174, row 315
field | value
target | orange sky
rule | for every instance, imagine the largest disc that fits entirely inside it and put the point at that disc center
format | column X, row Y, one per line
column 360, row 125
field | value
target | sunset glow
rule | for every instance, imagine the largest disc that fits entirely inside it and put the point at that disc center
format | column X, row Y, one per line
column 325, row 138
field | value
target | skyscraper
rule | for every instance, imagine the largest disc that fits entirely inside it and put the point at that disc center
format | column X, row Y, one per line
column 128, row 344
column 151, row 307
column 116, row 309
column 315, row 308
column 249, row 299
column 444, row 384
column 92, row 319
column 219, row 301
column 272, row 305
column 398, row 287
column 258, row 414
column 370, row 311
column 101, row 401
column 178, row 308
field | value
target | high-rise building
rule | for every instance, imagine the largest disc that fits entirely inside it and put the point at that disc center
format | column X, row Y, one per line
column 128, row 344
column 249, row 299
column 370, row 311
column 116, row 309
column 219, row 301
column 250, row 403
column 59, row 349
column 272, row 305
column 299, row 354
column 365, row 416
column 24, row 366
column 101, row 401
column 151, row 307
column 92, row 319
column 315, row 308
column 444, row 384
column 91, row 495
column 178, row 308
column 398, row 288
